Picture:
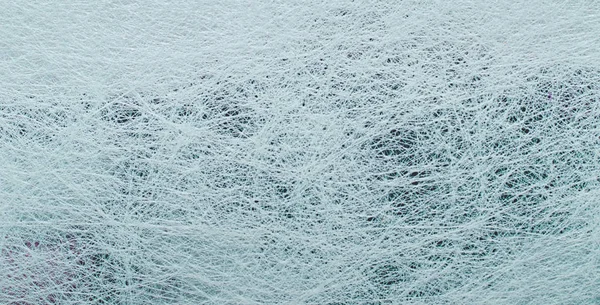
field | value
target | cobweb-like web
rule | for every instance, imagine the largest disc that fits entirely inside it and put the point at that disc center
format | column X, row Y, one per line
column 348, row 152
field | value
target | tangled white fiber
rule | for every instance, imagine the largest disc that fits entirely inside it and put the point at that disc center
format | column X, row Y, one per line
column 300, row 152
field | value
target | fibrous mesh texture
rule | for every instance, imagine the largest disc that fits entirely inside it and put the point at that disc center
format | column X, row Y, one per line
column 291, row 152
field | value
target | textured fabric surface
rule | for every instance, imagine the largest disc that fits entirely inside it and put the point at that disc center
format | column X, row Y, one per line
column 299, row 152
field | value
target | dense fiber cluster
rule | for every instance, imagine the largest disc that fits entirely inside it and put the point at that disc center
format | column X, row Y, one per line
column 288, row 152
